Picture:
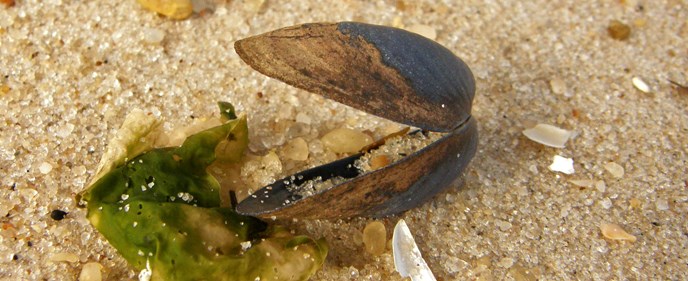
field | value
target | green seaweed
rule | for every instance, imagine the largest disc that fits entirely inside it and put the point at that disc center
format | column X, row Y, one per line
column 161, row 211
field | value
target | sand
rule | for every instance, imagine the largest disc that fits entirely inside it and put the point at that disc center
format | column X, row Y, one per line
column 71, row 70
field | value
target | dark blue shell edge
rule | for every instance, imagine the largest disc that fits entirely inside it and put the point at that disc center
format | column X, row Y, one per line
column 432, row 70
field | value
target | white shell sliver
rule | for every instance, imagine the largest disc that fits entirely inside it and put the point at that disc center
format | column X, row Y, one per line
column 407, row 258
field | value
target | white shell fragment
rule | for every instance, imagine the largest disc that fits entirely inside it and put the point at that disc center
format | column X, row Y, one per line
column 562, row 165
column 640, row 85
column 548, row 135
column 407, row 258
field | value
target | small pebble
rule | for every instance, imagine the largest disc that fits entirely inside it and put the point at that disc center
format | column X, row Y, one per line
column 253, row 6
column 533, row 169
column 296, row 149
column 91, row 272
column 303, row 118
column 662, row 204
column 379, row 161
column 615, row 232
column 153, row 35
column 606, row 203
column 58, row 215
column 505, row 262
column 520, row 273
column 65, row 131
column 601, row 186
column 558, row 86
column 424, row 30
column 375, row 238
column 344, row 140
column 615, row 169
column 503, row 225
column 618, row 30
column 64, row 257
column 639, row 84
column 582, row 183
column 635, row 203
column 45, row 168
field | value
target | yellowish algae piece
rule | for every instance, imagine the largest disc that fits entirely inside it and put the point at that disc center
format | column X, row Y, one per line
column 615, row 232
column 138, row 133
column 174, row 9
column 375, row 238
column 548, row 135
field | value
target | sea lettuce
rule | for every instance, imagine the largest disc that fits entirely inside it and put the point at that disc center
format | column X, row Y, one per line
column 161, row 211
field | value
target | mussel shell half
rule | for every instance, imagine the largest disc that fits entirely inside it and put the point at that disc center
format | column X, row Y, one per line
column 387, row 191
column 385, row 71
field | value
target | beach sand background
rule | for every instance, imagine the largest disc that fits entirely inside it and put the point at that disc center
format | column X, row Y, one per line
column 71, row 70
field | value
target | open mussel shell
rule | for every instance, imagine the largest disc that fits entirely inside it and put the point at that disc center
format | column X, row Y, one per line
column 384, row 71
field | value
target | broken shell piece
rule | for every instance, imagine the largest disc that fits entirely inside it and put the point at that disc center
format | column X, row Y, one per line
column 615, row 232
column 407, row 258
column 640, row 85
column 548, row 135
column 562, row 164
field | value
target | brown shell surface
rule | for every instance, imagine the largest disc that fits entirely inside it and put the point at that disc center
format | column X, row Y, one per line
column 347, row 68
